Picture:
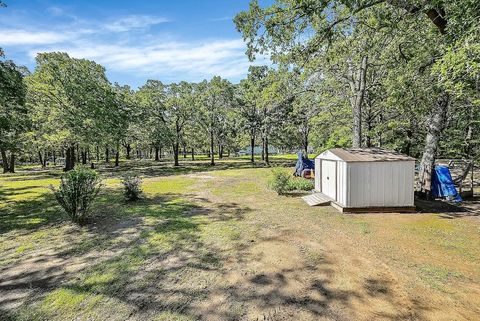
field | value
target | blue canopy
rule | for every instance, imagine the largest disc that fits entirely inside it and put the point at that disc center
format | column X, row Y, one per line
column 303, row 163
column 442, row 184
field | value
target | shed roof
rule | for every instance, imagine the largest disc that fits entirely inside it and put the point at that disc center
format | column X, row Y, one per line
column 368, row 155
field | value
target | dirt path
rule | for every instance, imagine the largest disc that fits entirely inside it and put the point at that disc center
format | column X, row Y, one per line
column 302, row 266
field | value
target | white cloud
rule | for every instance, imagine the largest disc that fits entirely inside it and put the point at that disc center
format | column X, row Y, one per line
column 124, row 46
column 192, row 61
column 225, row 18
column 24, row 37
column 134, row 22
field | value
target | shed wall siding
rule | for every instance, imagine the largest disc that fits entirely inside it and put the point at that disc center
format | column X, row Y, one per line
column 342, row 183
column 318, row 176
column 385, row 184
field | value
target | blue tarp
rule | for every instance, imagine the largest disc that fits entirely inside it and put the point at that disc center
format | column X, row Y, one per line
column 303, row 163
column 442, row 184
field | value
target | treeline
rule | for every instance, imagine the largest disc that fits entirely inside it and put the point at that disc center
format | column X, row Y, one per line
column 67, row 109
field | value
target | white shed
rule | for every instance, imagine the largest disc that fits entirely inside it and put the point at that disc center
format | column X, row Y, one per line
column 366, row 180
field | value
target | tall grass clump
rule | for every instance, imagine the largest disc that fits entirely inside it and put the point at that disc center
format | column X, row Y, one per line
column 132, row 187
column 77, row 191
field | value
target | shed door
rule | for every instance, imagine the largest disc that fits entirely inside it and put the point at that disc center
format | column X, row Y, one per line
column 329, row 178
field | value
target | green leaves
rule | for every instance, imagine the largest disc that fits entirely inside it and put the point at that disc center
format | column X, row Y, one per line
column 14, row 120
column 72, row 94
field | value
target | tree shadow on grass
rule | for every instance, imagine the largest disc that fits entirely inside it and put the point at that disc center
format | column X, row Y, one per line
column 141, row 240
column 449, row 210
column 155, row 169
column 29, row 175
column 29, row 214
column 39, row 210
column 116, row 222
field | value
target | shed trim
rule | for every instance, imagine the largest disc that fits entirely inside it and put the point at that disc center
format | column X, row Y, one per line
column 368, row 155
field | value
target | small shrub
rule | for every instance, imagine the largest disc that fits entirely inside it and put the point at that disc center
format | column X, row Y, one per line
column 302, row 184
column 132, row 187
column 280, row 181
column 77, row 191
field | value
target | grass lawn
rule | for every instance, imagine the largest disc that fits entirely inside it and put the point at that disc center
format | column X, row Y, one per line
column 215, row 244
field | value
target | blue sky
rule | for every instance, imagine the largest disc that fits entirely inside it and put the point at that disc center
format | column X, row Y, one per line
column 135, row 40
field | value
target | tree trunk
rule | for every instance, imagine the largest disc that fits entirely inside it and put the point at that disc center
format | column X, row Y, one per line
column 468, row 146
column 357, row 86
column 266, row 151
column 5, row 162
column 368, row 141
column 72, row 155
column 436, row 124
column 212, row 149
column 177, row 141
column 263, row 148
column 54, row 154
column 128, row 150
column 193, row 154
column 40, row 159
column 184, row 151
column 12, row 162
column 84, row 157
column 70, row 158
column 408, row 148
column 97, row 151
column 252, row 146
column 380, row 137
column 117, row 157
column 156, row 154
column 220, row 151
column 305, row 143
column 176, row 147
column 107, row 155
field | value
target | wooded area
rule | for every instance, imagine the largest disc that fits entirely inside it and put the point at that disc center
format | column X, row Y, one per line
column 397, row 74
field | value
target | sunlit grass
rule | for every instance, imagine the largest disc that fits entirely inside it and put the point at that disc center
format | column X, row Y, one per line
column 162, row 185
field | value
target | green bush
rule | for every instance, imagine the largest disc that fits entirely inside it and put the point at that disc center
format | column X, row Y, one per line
column 283, row 182
column 280, row 181
column 132, row 187
column 77, row 191
column 302, row 184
